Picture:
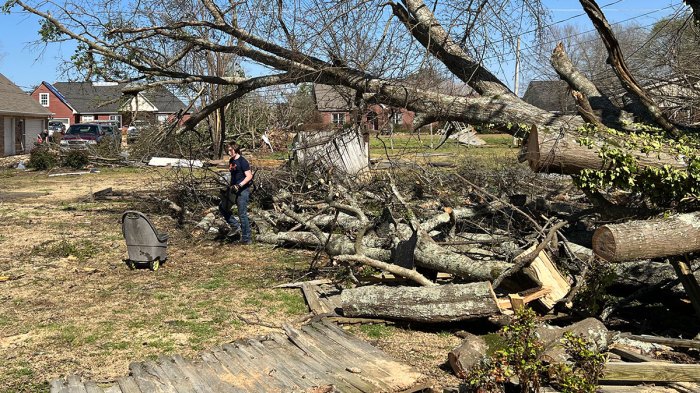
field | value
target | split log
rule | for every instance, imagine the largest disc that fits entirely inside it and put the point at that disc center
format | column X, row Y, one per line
column 590, row 328
column 443, row 303
column 467, row 355
column 562, row 153
column 635, row 240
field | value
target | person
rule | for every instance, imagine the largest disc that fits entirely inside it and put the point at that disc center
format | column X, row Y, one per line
column 238, row 192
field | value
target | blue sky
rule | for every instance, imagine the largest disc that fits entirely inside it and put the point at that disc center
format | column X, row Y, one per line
column 27, row 65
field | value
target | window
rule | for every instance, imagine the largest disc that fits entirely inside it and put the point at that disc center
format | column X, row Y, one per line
column 162, row 118
column 44, row 99
column 339, row 118
column 87, row 118
column 397, row 118
column 117, row 119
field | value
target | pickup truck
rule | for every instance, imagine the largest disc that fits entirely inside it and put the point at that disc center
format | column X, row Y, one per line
column 87, row 135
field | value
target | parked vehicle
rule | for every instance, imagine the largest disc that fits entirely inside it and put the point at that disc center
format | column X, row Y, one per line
column 56, row 126
column 87, row 135
column 132, row 133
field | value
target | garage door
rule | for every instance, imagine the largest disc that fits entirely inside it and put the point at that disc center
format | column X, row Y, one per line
column 32, row 128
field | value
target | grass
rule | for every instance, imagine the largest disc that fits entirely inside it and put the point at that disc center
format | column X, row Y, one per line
column 81, row 249
column 377, row 331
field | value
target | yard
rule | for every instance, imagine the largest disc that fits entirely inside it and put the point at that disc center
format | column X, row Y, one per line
column 69, row 304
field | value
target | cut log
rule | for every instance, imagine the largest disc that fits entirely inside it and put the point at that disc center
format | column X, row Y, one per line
column 553, row 152
column 635, row 240
column 651, row 372
column 468, row 354
column 443, row 303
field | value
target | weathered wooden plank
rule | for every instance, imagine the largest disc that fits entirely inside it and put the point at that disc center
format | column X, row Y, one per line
column 91, row 387
column 256, row 365
column 273, row 364
column 113, row 389
column 181, row 383
column 144, row 380
column 310, row 371
column 212, row 378
column 249, row 381
column 75, row 384
column 671, row 342
column 163, row 380
column 629, row 354
column 127, row 385
column 223, row 373
column 58, row 386
column 651, row 372
column 300, row 283
column 311, row 348
column 347, row 359
column 312, row 299
column 372, row 366
column 189, row 371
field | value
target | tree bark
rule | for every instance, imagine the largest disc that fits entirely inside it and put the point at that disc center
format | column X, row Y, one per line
column 430, row 254
column 635, row 240
column 618, row 64
column 468, row 354
column 561, row 152
column 442, row 303
column 611, row 115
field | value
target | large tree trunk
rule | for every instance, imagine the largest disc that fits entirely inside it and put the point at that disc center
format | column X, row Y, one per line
column 634, row 240
column 443, row 303
column 552, row 152
column 428, row 254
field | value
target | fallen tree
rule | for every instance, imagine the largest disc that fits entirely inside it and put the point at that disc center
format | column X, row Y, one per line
column 434, row 304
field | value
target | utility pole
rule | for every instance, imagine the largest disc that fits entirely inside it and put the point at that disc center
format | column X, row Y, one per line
column 517, row 66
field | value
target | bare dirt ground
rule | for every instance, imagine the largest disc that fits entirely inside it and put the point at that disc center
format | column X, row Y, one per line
column 69, row 304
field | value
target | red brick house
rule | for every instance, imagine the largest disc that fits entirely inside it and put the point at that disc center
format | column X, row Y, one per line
column 80, row 102
column 21, row 119
column 336, row 105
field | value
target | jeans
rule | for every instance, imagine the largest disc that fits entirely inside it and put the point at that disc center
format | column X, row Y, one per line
column 242, row 199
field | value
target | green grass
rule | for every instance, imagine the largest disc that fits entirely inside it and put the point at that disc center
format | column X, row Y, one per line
column 278, row 301
column 83, row 249
column 376, row 331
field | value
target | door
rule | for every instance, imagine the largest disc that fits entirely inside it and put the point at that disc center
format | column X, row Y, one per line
column 20, row 144
column 9, row 140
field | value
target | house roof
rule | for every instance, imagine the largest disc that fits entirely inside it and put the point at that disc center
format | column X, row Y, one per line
column 90, row 97
column 333, row 98
column 551, row 96
column 13, row 101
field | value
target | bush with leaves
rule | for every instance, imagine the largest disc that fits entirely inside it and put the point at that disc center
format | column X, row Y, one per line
column 520, row 357
column 586, row 367
column 42, row 157
column 76, row 159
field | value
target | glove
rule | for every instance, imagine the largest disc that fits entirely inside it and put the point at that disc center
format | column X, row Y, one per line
column 235, row 188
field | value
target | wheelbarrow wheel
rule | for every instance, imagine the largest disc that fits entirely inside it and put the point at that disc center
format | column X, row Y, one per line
column 130, row 264
column 154, row 264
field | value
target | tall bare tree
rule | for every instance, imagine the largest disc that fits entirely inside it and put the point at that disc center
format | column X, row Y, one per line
column 370, row 46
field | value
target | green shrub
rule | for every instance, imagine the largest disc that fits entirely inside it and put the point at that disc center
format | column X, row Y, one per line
column 76, row 159
column 580, row 376
column 41, row 158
